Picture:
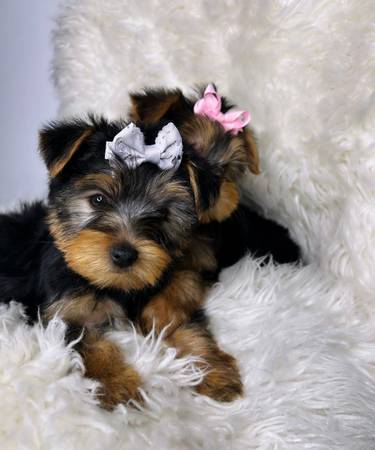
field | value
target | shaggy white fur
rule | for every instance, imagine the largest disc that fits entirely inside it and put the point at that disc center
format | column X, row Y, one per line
column 304, row 336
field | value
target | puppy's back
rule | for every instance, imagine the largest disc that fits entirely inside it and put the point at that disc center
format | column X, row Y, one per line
column 248, row 232
column 23, row 235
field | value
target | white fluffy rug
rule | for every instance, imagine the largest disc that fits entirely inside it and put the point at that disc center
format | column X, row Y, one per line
column 304, row 336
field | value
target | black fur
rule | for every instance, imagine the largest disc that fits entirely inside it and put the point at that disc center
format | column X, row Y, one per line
column 24, row 241
column 248, row 232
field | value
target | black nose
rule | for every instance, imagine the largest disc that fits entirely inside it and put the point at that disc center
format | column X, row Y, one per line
column 123, row 255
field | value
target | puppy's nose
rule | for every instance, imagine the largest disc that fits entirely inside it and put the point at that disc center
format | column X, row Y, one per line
column 123, row 255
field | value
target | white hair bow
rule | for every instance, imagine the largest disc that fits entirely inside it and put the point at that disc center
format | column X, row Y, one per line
column 129, row 145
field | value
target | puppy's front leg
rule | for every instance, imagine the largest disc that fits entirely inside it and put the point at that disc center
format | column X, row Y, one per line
column 222, row 381
column 104, row 362
column 103, row 359
column 175, row 304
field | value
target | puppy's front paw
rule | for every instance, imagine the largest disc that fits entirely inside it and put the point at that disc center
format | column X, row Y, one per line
column 119, row 381
column 222, row 381
column 119, row 388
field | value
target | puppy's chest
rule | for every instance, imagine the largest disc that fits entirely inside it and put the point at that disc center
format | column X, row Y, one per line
column 184, row 287
column 85, row 310
column 200, row 256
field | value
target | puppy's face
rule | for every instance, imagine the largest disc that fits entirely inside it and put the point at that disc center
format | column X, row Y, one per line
column 123, row 228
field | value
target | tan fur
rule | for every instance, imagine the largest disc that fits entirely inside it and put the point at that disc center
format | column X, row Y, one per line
column 240, row 154
column 150, row 112
column 58, row 166
column 87, row 253
column 55, row 226
column 174, row 189
column 222, row 381
column 200, row 256
column 175, row 303
column 84, row 310
column 194, row 187
column 252, row 151
column 224, row 206
column 102, row 181
column 201, row 133
column 102, row 358
column 104, row 363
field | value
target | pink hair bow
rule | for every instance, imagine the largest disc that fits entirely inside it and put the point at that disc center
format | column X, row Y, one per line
column 210, row 105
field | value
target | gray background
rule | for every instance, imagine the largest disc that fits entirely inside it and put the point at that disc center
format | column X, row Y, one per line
column 27, row 97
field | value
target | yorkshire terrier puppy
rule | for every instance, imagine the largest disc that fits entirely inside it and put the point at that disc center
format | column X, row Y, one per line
column 139, row 220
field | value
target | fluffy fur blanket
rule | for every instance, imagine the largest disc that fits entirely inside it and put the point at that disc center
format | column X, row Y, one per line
column 304, row 336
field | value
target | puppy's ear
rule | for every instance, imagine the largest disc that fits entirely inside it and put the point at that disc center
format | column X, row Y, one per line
column 215, row 199
column 59, row 141
column 251, row 150
column 221, row 159
column 151, row 106
column 233, row 154
column 241, row 154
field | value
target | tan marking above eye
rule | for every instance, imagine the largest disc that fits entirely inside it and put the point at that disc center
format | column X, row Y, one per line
column 100, row 183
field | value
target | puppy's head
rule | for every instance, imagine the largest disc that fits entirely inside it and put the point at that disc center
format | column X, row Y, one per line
column 217, row 159
column 123, row 228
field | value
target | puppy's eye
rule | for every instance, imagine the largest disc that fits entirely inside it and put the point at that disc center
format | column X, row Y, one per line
column 98, row 200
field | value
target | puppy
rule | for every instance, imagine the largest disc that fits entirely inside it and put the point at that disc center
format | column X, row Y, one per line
column 123, row 239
